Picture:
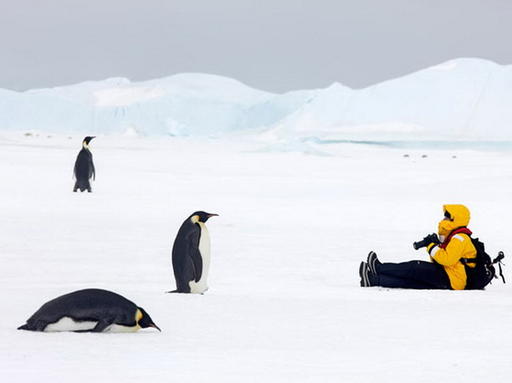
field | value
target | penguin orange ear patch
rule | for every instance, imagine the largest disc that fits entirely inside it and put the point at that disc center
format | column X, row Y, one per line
column 194, row 219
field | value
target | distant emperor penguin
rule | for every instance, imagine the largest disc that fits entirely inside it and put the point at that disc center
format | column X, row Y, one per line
column 89, row 310
column 84, row 167
column 191, row 254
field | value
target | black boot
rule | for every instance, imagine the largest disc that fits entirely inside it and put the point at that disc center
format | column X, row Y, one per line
column 373, row 262
column 364, row 274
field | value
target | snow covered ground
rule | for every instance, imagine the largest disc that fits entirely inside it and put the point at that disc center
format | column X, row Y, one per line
column 284, row 302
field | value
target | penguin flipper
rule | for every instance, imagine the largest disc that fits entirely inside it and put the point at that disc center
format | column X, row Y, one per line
column 194, row 253
column 100, row 326
column 198, row 265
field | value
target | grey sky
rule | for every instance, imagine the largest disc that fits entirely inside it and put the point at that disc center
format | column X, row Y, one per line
column 274, row 45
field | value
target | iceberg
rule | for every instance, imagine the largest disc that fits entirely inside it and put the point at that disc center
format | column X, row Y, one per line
column 462, row 99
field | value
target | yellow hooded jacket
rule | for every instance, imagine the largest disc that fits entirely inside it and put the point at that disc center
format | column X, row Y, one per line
column 458, row 246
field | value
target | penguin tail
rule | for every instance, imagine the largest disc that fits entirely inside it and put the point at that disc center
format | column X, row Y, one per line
column 24, row 327
column 172, row 292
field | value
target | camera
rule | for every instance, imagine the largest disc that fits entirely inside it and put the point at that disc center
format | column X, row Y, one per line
column 431, row 238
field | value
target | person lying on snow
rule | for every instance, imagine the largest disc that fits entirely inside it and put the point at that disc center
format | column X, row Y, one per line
column 446, row 271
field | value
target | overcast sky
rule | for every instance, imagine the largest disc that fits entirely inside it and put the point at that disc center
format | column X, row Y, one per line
column 276, row 45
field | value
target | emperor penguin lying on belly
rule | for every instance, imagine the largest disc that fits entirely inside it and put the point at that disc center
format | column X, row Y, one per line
column 89, row 310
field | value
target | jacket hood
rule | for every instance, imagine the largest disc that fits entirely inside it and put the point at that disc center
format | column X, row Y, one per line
column 459, row 218
column 459, row 213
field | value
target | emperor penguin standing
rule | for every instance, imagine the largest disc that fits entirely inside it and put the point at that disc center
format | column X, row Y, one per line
column 191, row 254
column 84, row 167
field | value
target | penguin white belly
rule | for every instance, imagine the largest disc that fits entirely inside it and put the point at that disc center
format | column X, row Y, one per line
column 68, row 324
column 204, row 249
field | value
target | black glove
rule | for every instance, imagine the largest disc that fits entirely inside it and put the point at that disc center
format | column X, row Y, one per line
column 431, row 238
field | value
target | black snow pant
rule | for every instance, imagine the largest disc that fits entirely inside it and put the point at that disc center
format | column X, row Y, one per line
column 412, row 275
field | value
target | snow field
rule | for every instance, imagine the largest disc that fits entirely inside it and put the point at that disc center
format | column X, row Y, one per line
column 284, row 302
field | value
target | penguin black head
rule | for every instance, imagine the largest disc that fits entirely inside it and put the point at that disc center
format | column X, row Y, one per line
column 145, row 320
column 87, row 139
column 201, row 216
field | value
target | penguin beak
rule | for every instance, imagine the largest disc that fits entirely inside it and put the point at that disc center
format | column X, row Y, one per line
column 155, row 326
column 212, row 215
